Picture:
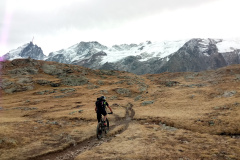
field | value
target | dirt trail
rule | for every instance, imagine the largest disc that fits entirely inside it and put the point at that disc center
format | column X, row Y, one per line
column 71, row 152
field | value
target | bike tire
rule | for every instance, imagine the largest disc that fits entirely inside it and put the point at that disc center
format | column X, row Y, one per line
column 107, row 127
column 99, row 130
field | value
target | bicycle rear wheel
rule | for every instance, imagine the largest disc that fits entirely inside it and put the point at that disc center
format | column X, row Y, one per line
column 99, row 130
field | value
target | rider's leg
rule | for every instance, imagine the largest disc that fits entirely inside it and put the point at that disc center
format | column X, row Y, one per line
column 98, row 117
column 105, row 117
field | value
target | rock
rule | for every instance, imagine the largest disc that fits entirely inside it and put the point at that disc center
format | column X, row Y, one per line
column 25, row 80
column 92, row 86
column 43, row 82
column 211, row 123
column 138, row 98
column 68, row 90
column 113, row 97
column 23, row 71
column 73, row 80
column 123, row 92
column 229, row 93
column 147, row 103
column 171, row 83
column 100, row 83
column 53, row 122
column 61, row 96
column 103, row 91
column 6, row 83
column 55, row 84
column 51, row 69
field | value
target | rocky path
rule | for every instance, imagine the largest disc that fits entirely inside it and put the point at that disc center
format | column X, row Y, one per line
column 73, row 151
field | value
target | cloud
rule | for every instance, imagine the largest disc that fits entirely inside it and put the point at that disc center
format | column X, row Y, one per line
column 81, row 20
column 44, row 16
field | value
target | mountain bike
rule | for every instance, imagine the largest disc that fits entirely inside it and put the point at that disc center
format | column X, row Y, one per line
column 101, row 128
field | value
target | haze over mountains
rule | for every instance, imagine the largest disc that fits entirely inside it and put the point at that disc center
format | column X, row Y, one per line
column 147, row 57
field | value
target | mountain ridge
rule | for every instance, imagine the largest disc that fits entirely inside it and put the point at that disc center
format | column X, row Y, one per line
column 148, row 57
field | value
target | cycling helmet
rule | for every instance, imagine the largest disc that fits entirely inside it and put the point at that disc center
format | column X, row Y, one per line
column 103, row 97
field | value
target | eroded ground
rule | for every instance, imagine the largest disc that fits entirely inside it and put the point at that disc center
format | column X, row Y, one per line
column 47, row 112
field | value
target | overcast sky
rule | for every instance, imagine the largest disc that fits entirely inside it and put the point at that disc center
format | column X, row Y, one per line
column 58, row 24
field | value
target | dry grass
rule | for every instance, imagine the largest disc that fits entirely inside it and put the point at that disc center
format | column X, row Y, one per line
column 195, row 118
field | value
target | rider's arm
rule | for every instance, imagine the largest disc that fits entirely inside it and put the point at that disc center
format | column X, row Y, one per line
column 109, row 107
column 95, row 107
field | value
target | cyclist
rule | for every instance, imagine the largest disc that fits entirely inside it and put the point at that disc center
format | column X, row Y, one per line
column 100, row 108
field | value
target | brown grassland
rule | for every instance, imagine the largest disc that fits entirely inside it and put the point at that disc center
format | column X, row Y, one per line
column 47, row 112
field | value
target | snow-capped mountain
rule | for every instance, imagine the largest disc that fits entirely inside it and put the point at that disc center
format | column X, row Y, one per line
column 25, row 51
column 147, row 57
column 80, row 51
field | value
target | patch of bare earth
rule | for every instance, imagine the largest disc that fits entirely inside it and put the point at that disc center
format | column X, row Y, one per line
column 47, row 112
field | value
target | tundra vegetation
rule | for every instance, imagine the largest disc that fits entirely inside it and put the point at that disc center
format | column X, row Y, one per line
column 47, row 112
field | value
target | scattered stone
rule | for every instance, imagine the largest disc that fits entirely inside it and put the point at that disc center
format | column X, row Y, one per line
column 55, row 84
column 42, row 82
column 138, row 98
column 221, row 107
column 68, row 90
column 229, row 93
column 25, row 108
column 113, row 97
column 142, row 89
column 123, row 91
column 73, row 80
column 51, row 69
column 39, row 121
column 11, row 87
column 211, row 123
column 71, row 113
column 237, row 77
column 195, row 85
column 25, row 80
column 169, row 83
column 147, row 103
column 192, row 96
column 61, row 96
column 103, row 92
column 53, row 122
column 23, row 71
column 100, row 82
column 92, row 86
column 109, row 73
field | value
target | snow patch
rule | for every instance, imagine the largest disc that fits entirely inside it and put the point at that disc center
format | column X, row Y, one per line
column 228, row 45
column 145, row 50
column 14, row 54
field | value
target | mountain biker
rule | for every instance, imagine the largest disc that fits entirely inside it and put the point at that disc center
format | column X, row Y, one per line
column 100, row 108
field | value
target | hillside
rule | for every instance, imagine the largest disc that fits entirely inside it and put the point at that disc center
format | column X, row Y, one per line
column 47, row 112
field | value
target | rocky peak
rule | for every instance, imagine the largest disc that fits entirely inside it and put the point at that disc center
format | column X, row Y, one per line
column 26, row 51
column 82, row 46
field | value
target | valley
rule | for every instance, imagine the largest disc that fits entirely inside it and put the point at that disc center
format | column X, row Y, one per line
column 47, row 112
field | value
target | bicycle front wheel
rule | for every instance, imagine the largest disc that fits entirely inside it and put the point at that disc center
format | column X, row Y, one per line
column 107, row 127
column 99, row 130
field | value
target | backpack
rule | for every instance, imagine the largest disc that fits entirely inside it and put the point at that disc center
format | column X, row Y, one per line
column 100, row 104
